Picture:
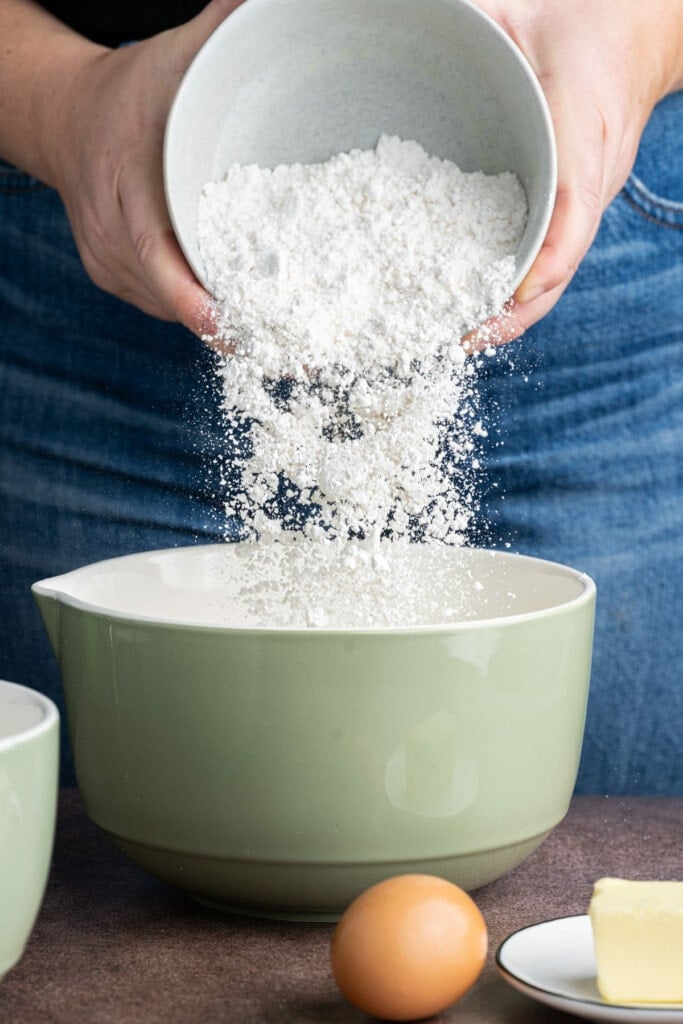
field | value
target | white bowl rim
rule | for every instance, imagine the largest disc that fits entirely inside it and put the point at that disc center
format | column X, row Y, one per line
column 51, row 588
column 246, row 9
column 48, row 721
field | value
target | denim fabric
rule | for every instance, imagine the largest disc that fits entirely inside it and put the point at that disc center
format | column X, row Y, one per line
column 102, row 407
column 107, row 430
column 590, row 466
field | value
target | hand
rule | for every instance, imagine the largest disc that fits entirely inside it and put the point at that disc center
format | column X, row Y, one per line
column 603, row 66
column 104, row 153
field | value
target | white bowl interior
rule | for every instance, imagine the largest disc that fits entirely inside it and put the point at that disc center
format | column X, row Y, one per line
column 202, row 585
column 22, row 711
column 287, row 81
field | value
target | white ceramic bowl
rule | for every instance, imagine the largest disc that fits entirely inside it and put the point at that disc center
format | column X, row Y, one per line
column 296, row 81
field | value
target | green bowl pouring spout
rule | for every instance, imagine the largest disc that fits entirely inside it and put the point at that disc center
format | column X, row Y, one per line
column 279, row 771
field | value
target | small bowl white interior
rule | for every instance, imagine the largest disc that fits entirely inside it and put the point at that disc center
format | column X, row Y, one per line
column 287, row 81
column 23, row 713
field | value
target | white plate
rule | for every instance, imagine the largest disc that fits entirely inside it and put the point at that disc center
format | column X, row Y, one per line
column 554, row 963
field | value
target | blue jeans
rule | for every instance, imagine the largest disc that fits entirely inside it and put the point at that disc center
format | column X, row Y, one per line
column 109, row 426
column 591, row 468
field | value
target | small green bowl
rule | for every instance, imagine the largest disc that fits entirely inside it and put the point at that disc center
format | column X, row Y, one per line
column 280, row 772
column 29, row 749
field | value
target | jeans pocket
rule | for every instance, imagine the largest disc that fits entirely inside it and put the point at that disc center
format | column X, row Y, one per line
column 16, row 182
column 658, row 210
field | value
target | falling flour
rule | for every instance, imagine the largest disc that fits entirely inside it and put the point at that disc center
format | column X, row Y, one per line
column 344, row 290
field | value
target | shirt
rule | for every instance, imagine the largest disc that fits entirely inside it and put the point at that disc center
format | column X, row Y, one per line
column 123, row 21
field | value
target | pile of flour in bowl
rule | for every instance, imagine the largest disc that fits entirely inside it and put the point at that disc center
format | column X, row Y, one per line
column 344, row 290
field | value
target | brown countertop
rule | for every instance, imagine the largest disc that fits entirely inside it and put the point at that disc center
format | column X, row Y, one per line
column 113, row 946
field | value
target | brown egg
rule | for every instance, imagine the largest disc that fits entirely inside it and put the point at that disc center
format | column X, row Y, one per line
column 409, row 947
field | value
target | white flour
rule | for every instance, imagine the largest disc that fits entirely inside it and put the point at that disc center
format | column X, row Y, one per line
column 345, row 289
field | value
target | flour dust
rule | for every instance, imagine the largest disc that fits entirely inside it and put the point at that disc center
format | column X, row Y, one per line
column 352, row 428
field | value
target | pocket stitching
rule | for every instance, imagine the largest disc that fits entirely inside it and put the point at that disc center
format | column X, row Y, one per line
column 654, row 208
column 653, row 198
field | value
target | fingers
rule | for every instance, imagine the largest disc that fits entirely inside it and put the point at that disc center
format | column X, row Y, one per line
column 513, row 322
column 170, row 281
column 158, row 278
column 168, row 278
column 143, row 265
column 581, row 197
column 579, row 202
column 113, row 187
column 573, row 227
column 157, row 260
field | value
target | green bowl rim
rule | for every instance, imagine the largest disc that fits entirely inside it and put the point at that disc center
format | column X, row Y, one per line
column 50, row 588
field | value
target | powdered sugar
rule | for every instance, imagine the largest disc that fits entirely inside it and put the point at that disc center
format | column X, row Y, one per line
column 345, row 289
column 372, row 259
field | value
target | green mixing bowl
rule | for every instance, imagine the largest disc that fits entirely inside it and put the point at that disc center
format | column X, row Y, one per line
column 281, row 771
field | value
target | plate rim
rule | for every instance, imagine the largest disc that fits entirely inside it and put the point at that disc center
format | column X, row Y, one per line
column 672, row 1008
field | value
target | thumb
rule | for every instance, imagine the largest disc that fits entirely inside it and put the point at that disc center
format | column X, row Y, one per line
column 195, row 32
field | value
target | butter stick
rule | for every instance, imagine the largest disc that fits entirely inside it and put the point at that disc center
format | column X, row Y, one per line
column 638, row 935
